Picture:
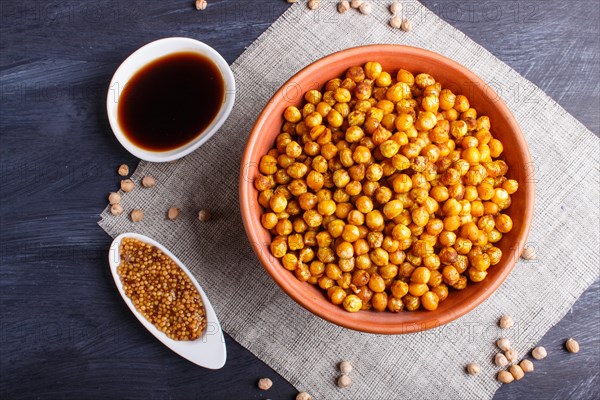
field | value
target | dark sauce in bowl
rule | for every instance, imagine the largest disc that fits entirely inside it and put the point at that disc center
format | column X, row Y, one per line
column 171, row 101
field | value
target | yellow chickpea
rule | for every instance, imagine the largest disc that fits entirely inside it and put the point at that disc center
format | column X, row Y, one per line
column 337, row 295
column 342, row 95
column 411, row 302
column 361, row 154
column 397, row 92
column 350, row 234
column 383, row 80
column 504, row 223
column 352, row 303
column 426, row 121
column 373, row 69
column 374, row 220
column 312, row 218
column 461, row 103
column 379, row 301
column 278, row 202
column 376, row 283
column 430, row 301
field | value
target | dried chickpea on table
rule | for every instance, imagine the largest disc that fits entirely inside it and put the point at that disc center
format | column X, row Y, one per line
column 385, row 190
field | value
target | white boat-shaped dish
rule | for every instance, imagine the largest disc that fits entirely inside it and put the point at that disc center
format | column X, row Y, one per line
column 208, row 350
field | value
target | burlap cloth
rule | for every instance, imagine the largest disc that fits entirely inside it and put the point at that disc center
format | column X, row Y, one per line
column 305, row 349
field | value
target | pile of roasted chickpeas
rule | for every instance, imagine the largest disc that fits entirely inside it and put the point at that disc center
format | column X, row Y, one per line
column 385, row 191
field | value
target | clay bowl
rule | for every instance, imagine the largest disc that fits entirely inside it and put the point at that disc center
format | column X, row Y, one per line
column 460, row 81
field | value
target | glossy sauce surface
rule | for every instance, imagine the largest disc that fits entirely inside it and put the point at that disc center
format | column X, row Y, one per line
column 171, row 101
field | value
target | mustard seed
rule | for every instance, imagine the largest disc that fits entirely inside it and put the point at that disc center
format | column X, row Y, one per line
column 136, row 215
column 114, row 198
column 161, row 291
column 123, row 170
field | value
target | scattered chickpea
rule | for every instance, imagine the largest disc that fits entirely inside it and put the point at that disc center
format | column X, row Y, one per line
column 356, row 3
column 500, row 360
column 345, row 367
column 343, row 6
column 137, row 215
column 572, row 346
column 116, row 209
column 173, row 213
column 529, row 254
column 526, row 365
column 201, row 4
column 148, row 181
column 127, row 185
column 406, row 25
column 114, row 198
column 473, row 369
column 395, row 8
column 265, row 384
column 539, row 353
column 365, row 8
column 314, row 4
column 503, row 344
column 123, row 170
column 516, row 371
column 204, row 215
column 396, row 22
column 344, row 381
column 303, row 396
column 505, row 377
column 511, row 355
column 292, row 1
column 505, row 322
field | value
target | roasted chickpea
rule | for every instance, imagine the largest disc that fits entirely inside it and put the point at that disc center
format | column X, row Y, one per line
column 411, row 302
column 503, row 223
column 430, row 301
column 352, row 303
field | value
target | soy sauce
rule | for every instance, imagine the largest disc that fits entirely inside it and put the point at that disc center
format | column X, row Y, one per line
column 171, row 101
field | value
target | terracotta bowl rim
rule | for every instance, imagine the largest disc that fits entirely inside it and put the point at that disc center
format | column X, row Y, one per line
column 342, row 318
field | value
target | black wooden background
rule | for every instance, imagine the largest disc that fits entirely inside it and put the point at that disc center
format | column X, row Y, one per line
column 64, row 331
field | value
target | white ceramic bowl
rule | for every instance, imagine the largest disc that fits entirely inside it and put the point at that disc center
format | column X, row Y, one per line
column 208, row 350
column 146, row 55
